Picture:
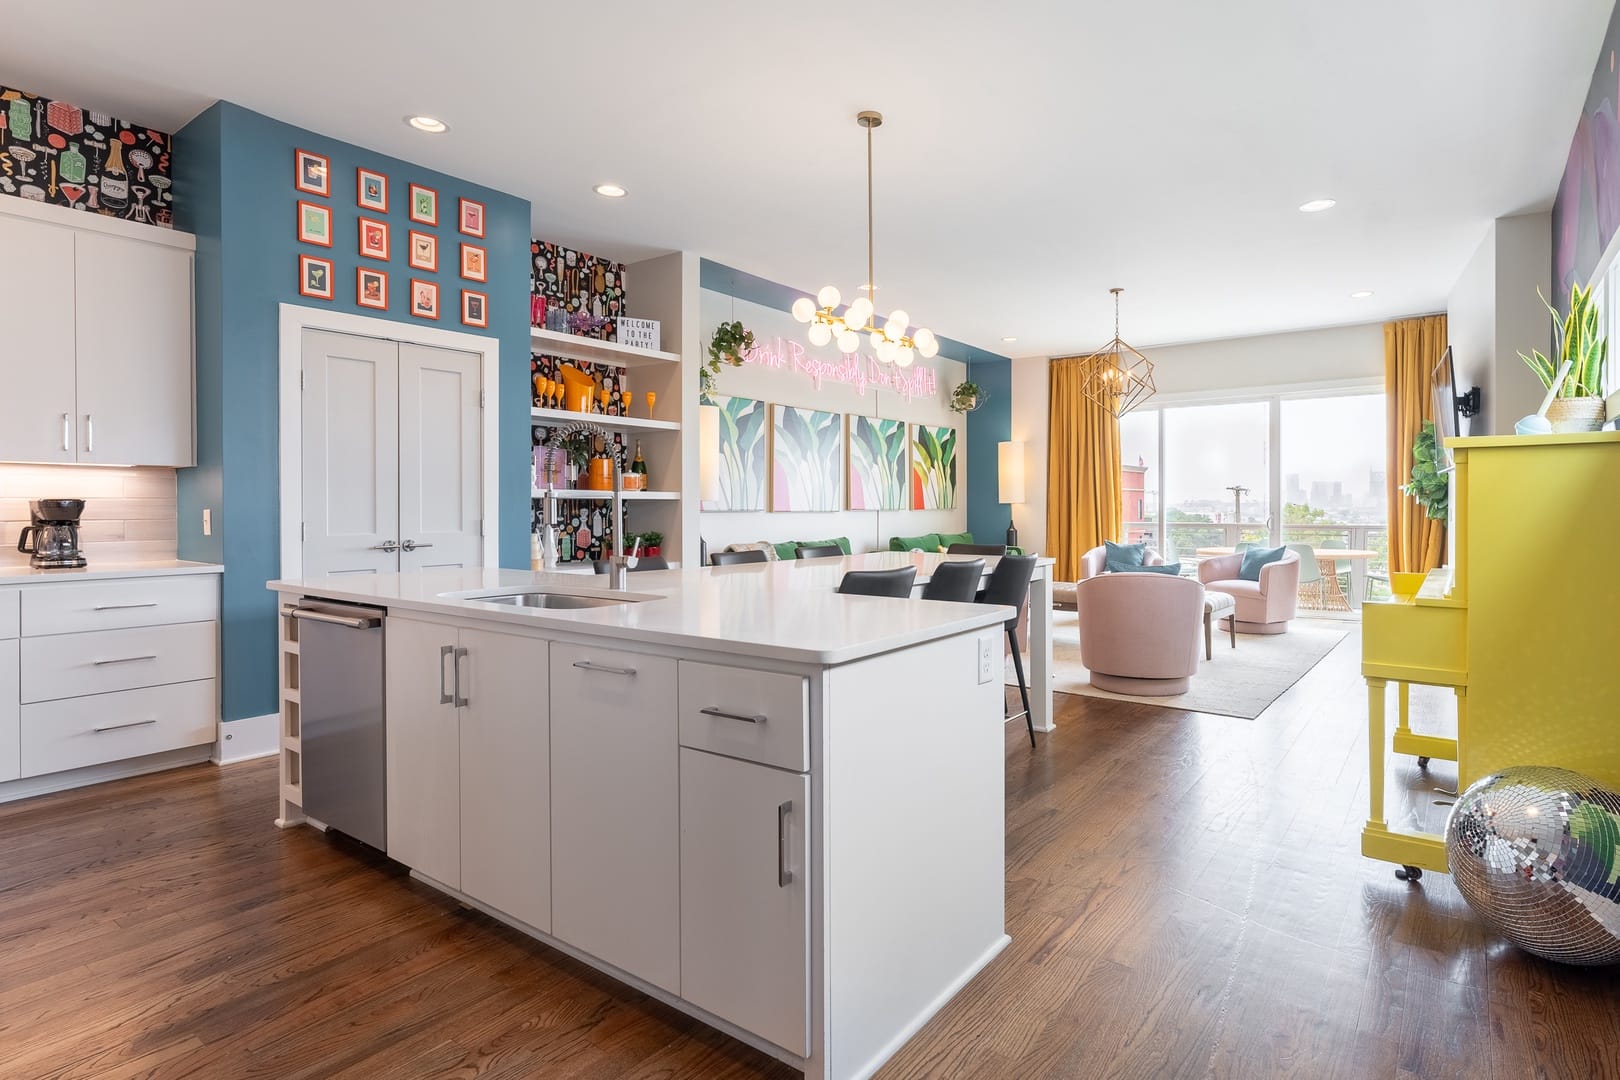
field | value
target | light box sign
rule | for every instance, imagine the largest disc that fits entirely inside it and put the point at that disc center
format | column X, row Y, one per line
column 639, row 333
column 849, row 369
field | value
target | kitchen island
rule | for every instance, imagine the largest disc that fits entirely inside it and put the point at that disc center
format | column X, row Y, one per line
column 774, row 807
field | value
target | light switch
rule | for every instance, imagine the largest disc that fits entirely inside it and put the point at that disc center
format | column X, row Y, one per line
column 208, row 522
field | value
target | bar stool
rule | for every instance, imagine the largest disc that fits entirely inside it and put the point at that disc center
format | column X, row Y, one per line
column 976, row 549
column 734, row 558
column 643, row 562
column 955, row 581
column 821, row 551
column 1009, row 587
column 896, row 582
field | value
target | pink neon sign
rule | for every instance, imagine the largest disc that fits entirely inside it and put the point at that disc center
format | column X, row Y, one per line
column 851, row 369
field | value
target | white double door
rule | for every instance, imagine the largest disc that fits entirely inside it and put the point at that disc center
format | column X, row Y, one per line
column 392, row 462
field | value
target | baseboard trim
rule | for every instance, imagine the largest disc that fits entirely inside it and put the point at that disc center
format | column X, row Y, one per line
column 248, row 738
column 30, row 786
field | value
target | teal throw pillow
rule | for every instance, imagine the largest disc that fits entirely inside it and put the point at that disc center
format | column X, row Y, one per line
column 1255, row 558
column 1174, row 568
column 1127, row 555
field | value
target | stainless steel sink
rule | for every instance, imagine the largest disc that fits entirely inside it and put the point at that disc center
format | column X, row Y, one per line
column 555, row 600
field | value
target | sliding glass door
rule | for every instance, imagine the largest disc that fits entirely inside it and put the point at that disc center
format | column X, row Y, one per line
column 1217, row 487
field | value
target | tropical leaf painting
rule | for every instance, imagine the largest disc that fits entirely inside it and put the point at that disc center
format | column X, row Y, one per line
column 742, row 454
column 877, row 464
column 933, row 468
column 808, row 460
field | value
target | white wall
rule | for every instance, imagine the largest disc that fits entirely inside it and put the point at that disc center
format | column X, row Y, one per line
column 1302, row 359
column 867, row 530
column 1471, row 328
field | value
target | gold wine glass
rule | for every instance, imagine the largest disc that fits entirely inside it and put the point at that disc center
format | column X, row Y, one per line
column 625, row 398
column 652, row 399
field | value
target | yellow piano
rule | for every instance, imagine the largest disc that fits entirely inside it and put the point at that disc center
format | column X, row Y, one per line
column 1524, row 627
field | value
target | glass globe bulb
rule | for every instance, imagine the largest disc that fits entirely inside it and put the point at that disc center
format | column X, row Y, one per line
column 885, row 349
column 922, row 334
column 804, row 309
column 928, row 349
column 859, row 311
column 899, row 320
column 902, row 356
column 820, row 334
column 829, row 296
column 848, row 341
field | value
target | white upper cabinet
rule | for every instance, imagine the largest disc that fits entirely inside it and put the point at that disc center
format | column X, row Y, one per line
column 97, row 356
column 133, row 319
column 37, row 409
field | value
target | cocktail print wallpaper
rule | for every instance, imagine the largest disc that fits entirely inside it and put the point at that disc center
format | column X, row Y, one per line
column 55, row 152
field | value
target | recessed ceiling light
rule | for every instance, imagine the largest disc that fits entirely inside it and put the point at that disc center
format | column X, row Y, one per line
column 609, row 191
column 1361, row 294
column 1008, row 340
column 1316, row 206
column 430, row 124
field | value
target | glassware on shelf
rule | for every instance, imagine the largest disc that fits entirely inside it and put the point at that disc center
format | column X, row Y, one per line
column 652, row 399
column 603, row 395
column 625, row 397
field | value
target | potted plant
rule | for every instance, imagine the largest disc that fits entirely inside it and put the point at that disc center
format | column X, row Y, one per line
column 1428, row 485
column 1577, row 338
column 730, row 341
column 652, row 543
column 967, row 396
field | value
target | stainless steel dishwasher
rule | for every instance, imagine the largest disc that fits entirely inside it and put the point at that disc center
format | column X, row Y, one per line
column 345, row 767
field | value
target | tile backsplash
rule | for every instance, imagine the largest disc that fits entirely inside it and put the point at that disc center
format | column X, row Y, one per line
column 129, row 514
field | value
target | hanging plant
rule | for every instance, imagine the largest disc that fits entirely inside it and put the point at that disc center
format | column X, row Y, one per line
column 730, row 341
column 967, row 396
column 1428, row 486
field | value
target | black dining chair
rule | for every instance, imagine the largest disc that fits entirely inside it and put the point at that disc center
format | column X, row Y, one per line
column 955, row 581
column 820, row 551
column 735, row 558
column 1009, row 587
column 643, row 562
column 896, row 582
column 976, row 549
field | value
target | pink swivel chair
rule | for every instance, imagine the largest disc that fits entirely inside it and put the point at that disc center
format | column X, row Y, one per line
column 1264, row 606
column 1139, row 632
column 1093, row 561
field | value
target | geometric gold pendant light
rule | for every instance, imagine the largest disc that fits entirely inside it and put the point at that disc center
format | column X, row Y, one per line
column 1118, row 377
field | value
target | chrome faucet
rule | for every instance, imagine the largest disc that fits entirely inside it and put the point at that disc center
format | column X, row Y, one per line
column 620, row 564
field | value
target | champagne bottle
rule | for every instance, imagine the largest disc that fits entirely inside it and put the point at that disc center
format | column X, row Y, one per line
column 639, row 465
column 114, row 180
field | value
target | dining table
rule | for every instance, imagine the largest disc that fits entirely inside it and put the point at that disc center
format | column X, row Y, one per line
column 1326, row 558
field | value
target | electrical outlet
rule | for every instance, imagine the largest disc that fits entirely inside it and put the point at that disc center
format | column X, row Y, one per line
column 208, row 522
column 987, row 649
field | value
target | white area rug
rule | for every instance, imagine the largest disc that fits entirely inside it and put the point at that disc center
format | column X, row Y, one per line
column 1238, row 682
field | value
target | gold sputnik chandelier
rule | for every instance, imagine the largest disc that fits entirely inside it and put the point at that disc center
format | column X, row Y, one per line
column 890, row 341
column 1118, row 377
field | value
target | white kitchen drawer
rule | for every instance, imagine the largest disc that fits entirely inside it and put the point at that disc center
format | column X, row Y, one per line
column 70, row 665
column 110, row 605
column 8, row 614
column 59, row 735
column 754, row 715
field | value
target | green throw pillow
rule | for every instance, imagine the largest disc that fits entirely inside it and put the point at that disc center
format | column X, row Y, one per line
column 1131, row 555
column 1255, row 558
column 788, row 551
column 925, row 542
column 947, row 539
column 1173, row 568
column 841, row 542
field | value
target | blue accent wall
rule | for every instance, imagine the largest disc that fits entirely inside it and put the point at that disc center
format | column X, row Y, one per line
column 987, row 425
column 234, row 190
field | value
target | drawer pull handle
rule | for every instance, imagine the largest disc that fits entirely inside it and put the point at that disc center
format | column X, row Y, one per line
column 714, row 710
column 125, row 724
column 445, row 697
column 125, row 660
column 586, row 665
column 67, row 430
column 784, row 876
column 460, row 699
column 123, row 607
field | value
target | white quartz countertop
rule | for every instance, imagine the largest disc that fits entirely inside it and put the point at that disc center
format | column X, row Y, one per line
column 23, row 574
column 778, row 610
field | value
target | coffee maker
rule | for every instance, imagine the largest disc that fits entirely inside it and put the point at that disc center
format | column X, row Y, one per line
column 53, row 538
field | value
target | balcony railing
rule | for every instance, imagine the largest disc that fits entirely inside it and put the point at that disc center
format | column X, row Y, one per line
column 1184, row 538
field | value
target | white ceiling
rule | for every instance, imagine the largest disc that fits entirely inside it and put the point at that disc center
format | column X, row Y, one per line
column 1034, row 153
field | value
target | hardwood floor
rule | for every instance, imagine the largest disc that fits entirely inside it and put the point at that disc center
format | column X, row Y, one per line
column 1184, row 894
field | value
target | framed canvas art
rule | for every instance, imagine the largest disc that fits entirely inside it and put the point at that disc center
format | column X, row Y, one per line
column 473, row 262
column 312, row 173
column 474, row 308
column 741, row 452
column 933, row 468
column 374, row 239
column 371, row 190
column 879, row 467
column 315, row 277
column 424, row 251
column 424, row 205
column 807, row 460
column 471, row 217
column 371, row 288
column 314, row 223
column 424, row 299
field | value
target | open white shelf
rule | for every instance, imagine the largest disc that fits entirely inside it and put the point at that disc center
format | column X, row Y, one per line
column 586, row 493
column 568, row 416
column 593, row 351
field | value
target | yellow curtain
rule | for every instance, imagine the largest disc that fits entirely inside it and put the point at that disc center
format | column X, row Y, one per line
column 1084, row 502
column 1411, row 349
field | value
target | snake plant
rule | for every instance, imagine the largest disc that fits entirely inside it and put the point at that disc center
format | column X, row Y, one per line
column 1578, row 338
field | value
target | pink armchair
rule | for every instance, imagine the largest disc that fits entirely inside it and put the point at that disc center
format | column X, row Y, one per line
column 1139, row 632
column 1264, row 606
column 1092, row 562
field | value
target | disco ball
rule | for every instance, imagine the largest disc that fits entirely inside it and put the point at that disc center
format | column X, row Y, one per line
column 1536, row 853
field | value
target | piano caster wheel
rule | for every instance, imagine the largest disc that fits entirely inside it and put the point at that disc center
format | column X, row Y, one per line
column 1423, row 763
column 1409, row 873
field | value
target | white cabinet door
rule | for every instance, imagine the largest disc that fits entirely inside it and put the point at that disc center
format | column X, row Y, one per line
column 37, row 407
column 745, row 927
column 133, row 319
column 506, row 775
column 424, row 774
column 440, row 455
column 351, row 454
column 10, row 733
column 615, row 837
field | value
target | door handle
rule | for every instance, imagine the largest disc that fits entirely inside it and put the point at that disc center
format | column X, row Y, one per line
column 123, row 607
column 357, row 622
column 445, row 697
column 125, row 660
column 89, row 434
column 461, row 699
column 713, row 710
column 387, row 545
column 67, row 431
column 125, row 724
column 784, row 876
column 412, row 545
column 586, row 665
